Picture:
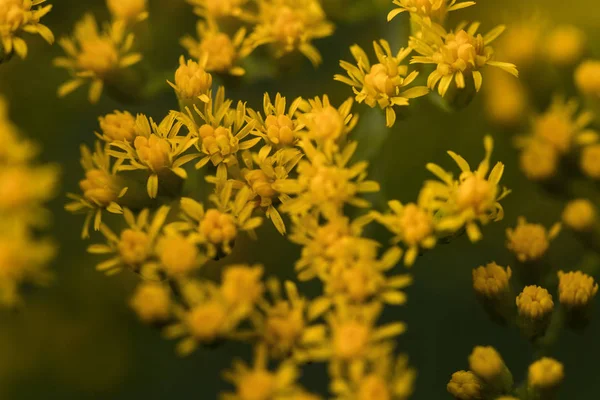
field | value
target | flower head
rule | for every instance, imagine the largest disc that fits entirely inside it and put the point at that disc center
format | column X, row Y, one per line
column 219, row 8
column 539, row 160
column 534, row 302
column 492, row 280
column 545, row 373
column 431, row 10
column 241, row 286
column 464, row 385
column 580, row 215
column 95, row 56
column 129, row 11
column 17, row 16
column 529, row 242
column 488, row 365
column 151, row 302
column 587, row 78
column 590, row 161
column 458, row 55
column 192, row 81
column 118, row 126
column 565, row 45
column 576, row 289
column 279, row 127
column 178, row 255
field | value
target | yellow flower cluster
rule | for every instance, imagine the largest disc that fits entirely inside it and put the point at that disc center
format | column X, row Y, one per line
column 17, row 17
column 101, row 57
column 25, row 187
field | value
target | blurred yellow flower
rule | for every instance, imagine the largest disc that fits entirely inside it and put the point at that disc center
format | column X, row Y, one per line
column 576, row 289
column 218, row 8
column 488, row 365
column 118, row 126
column 534, row 302
column 539, row 160
column 241, row 286
column 545, row 373
column 435, row 10
column 529, row 242
column 580, row 215
column 179, row 255
column 17, row 16
column 506, row 101
column 129, row 11
column 151, row 302
column 590, row 161
column 464, row 385
column 565, row 45
column 587, row 78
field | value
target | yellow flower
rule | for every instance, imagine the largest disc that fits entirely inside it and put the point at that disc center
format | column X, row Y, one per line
column 101, row 187
column 383, row 84
column 529, row 242
column 458, row 55
column 521, row 43
column 192, row 81
column 18, row 16
column 576, row 289
column 580, row 215
column 412, row 225
column 539, row 160
column 118, row 126
column 218, row 8
column 562, row 126
column 129, row 11
column 290, row 25
column 23, row 190
column 473, row 197
column 178, row 255
column 545, row 373
column 134, row 247
column 15, row 149
column 534, row 302
column 279, row 129
column 435, row 10
column 95, row 56
column 488, row 365
column 23, row 259
column 216, row 51
column 492, row 280
column 156, row 149
column 590, row 161
column 326, row 185
column 241, row 286
column 565, row 45
column 587, row 78
column 258, row 382
column 506, row 101
column 464, row 385
column 151, row 302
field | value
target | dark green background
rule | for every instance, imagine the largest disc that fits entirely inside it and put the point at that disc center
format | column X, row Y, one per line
column 78, row 339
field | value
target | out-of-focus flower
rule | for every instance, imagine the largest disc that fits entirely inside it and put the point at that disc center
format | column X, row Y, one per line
column 383, row 84
column 539, row 160
column 129, row 11
column 488, row 365
column 179, row 255
column 474, row 197
column 118, row 126
column 529, row 242
column 491, row 281
column 464, row 385
column 576, row 289
column 95, row 56
column 590, row 161
column 16, row 17
column 152, row 302
column 545, row 374
column 219, row 8
column 458, row 55
column 506, row 101
column 431, row 10
column 565, row 45
column 587, row 78
column 521, row 44
column 580, row 215
column 534, row 302
column 290, row 25
column 241, row 286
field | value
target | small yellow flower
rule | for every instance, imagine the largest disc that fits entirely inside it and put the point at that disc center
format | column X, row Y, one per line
column 587, row 78
column 192, row 81
column 474, row 197
column 580, row 215
column 383, row 84
column 435, row 10
column 151, row 302
column 218, row 8
column 464, row 385
column 95, row 56
column 129, row 11
column 576, row 289
column 118, row 126
column 458, row 55
column 290, row 25
column 565, row 45
column 492, row 280
column 545, row 373
column 488, row 365
column 279, row 128
column 590, row 161
column 178, row 255
column 539, row 160
column 24, row 188
column 534, row 302
column 521, row 44
column 241, row 286
column 529, row 242
column 506, row 101
column 18, row 16
column 216, row 51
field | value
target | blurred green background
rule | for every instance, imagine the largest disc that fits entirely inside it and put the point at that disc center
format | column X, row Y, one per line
column 79, row 340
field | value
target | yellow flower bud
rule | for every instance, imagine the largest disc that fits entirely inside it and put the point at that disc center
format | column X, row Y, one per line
column 207, row 320
column 373, row 387
column 416, row 224
column 590, row 161
column 464, row 385
column 153, row 151
column 539, row 160
column 257, row 385
column 565, row 45
column 492, row 280
column 98, row 55
column 151, row 302
column 534, row 302
column 476, row 193
column 127, row 10
column 218, row 141
column 529, row 242
column 218, row 227
column 546, row 373
column 241, row 285
column 280, row 129
column 576, row 289
column 177, row 255
column 350, row 339
column 192, row 80
column 119, row 126
column 260, row 183
column 134, row 247
column 487, row 364
column 579, row 215
column 326, row 123
column 99, row 187
column 219, row 51
column 587, row 78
